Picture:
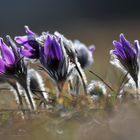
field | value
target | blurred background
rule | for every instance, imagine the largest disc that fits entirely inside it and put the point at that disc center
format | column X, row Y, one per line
column 96, row 22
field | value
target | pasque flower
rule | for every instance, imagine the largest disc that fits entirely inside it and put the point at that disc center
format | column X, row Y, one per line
column 128, row 56
column 53, row 57
column 77, row 50
column 13, row 66
column 84, row 54
column 30, row 47
column 10, row 61
column 75, row 53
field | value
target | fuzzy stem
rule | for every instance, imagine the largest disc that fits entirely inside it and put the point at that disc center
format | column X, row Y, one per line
column 19, row 97
column 83, row 77
column 30, row 98
column 28, row 93
column 14, row 85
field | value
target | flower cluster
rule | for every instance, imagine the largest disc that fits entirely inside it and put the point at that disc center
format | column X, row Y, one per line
column 59, row 57
column 64, row 61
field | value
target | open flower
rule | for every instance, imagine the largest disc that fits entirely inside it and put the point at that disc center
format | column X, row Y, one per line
column 30, row 47
column 53, row 57
column 84, row 54
column 126, row 56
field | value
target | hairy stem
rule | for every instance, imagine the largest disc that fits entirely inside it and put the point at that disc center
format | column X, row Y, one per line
column 83, row 77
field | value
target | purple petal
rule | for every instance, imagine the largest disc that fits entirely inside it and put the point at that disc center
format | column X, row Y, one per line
column 52, row 48
column 7, row 53
column 42, row 57
column 125, row 43
column 57, row 49
column 27, row 53
column 120, row 57
column 91, row 48
column 2, row 66
column 21, row 39
column 47, row 45
column 119, row 49
column 118, row 45
column 130, row 52
column 27, row 46
column 28, row 31
column 127, row 47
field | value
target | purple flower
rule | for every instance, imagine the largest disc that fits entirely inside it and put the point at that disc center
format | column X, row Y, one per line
column 128, row 56
column 73, row 52
column 14, row 67
column 77, row 50
column 30, row 47
column 54, row 59
column 68, row 45
column 84, row 54
column 7, row 60
column 11, row 63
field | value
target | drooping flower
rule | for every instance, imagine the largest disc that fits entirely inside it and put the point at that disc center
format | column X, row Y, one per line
column 53, row 57
column 30, row 46
column 126, row 57
column 72, row 54
column 9, row 59
column 12, row 63
column 14, row 67
column 84, row 54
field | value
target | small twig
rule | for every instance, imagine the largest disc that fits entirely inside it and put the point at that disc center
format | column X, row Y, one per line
column 102, row 80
